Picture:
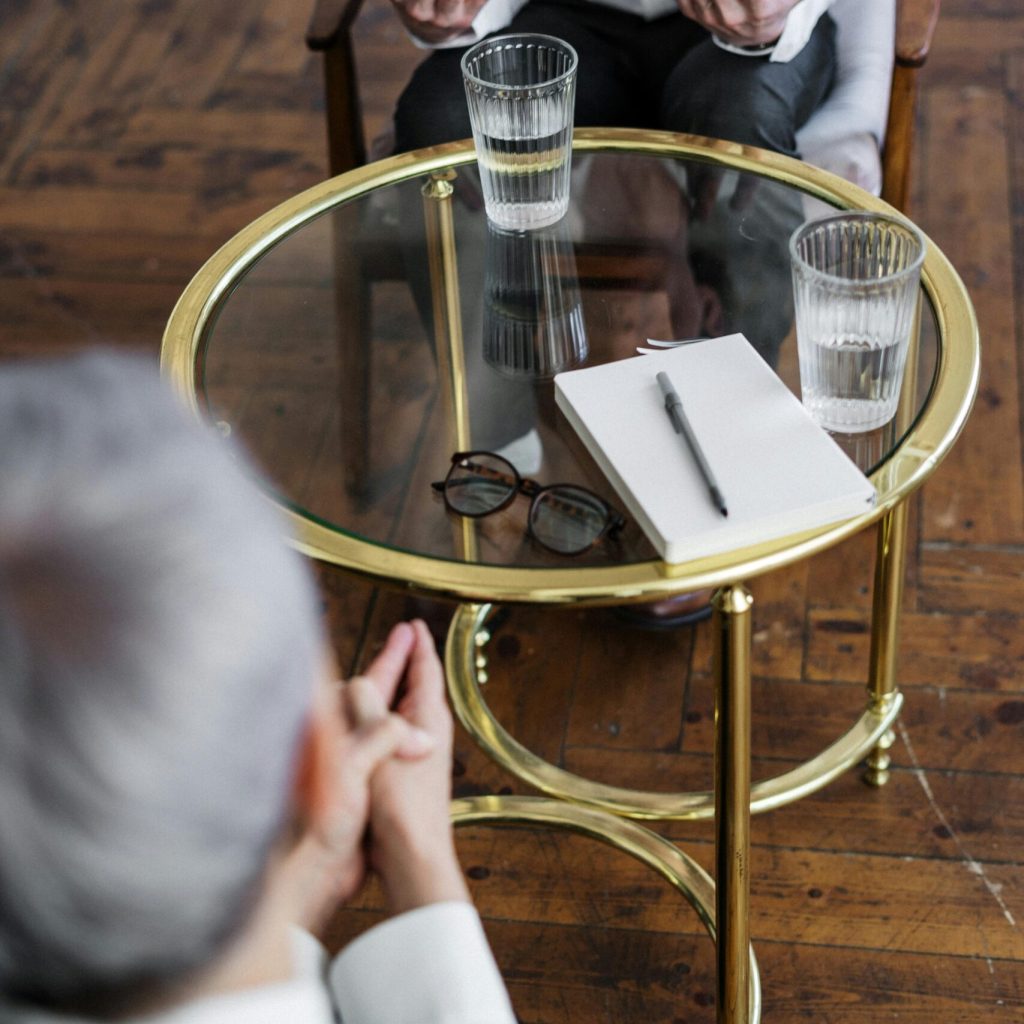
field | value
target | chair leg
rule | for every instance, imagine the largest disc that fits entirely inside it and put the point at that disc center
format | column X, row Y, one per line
column 345, row 146
column 352, row 313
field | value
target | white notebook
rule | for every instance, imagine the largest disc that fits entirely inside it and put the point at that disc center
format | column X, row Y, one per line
column 779, row 472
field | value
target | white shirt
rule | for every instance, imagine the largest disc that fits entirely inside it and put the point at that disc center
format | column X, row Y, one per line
column 496, row 14
column 429, row 966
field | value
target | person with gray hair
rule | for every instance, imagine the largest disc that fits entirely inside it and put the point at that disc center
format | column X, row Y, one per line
column 181, row 778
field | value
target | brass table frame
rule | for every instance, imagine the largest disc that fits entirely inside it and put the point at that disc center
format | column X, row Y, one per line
column 652, row 850
column 923, row 447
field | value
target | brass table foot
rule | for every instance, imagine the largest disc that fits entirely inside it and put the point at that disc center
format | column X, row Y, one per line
column 877, row 770
column 657, row 853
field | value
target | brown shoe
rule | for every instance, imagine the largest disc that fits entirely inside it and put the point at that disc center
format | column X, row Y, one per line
column 668, row 613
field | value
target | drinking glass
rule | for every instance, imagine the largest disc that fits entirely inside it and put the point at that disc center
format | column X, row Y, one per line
column 855, row 287
column 521, row 90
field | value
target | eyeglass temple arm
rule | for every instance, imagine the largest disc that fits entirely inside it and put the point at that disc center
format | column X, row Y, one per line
column 493, row 474
column 617, row 524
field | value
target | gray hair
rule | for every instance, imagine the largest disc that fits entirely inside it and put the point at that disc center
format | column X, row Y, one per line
column 158, row 647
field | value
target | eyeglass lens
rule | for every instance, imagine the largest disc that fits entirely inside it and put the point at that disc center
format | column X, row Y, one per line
column 567, row 519
column 480, row 483
column 564, row 518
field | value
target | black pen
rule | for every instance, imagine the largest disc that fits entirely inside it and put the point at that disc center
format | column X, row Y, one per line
column 674, row 408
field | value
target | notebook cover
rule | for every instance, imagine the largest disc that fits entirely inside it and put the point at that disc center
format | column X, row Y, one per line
column 779, row 472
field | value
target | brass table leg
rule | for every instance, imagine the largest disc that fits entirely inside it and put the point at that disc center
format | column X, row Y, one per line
column 890, row 567
column 731, row 624
column 442, row 259
column 890, row 570
column 444, row 285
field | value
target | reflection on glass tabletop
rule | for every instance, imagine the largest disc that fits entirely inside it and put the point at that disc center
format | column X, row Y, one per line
column 323, row 359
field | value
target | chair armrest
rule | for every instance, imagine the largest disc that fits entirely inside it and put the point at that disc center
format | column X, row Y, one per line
column 915, row 25
column 331, row 19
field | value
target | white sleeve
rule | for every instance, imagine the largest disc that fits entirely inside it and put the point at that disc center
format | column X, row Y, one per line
column 799, row 26
column 429, row 966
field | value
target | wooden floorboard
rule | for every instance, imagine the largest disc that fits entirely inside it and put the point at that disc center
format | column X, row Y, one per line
column 138, row 135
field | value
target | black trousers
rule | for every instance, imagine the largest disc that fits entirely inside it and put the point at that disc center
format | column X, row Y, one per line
column 665, row 73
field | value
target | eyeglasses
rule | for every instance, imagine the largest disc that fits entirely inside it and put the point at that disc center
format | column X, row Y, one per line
column 563, row 517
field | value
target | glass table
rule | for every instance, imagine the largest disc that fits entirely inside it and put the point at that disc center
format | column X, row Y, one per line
column 358, row 335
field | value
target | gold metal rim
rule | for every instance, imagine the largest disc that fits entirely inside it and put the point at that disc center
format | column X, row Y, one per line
column 765, row 795
column 922, row 450
column 652, row 850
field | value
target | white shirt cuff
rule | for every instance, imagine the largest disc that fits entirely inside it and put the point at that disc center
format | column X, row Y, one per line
column 799, row 26
column 429, row 966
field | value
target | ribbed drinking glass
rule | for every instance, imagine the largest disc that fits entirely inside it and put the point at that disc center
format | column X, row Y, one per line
column 521, row 90
column 855, row 286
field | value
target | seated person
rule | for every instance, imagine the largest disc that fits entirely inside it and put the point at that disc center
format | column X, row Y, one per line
column 750, row 71
column 182, row 778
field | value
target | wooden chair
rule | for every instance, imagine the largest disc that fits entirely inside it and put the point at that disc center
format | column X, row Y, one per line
column 330, row 33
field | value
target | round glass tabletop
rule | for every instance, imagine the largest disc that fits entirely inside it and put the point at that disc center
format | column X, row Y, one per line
column 358, row 336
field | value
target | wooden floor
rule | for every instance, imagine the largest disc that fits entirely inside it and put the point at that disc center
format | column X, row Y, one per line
column 137, row 135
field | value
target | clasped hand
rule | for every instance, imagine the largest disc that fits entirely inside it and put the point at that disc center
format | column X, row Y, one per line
column 740, row 22
column 392, row 765
column 437, row 21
